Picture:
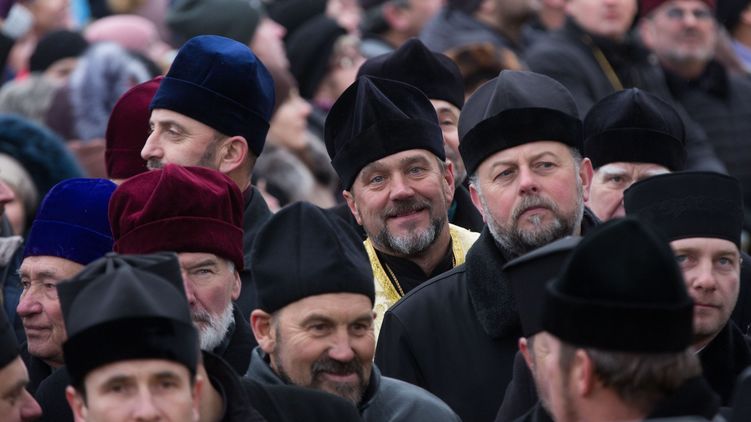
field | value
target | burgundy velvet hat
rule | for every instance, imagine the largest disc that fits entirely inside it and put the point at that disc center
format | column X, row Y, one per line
column 179, row 209
column 127, row 130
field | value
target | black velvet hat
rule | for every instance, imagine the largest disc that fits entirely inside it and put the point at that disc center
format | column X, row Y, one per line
column 303, row 251
column 634, row 126
column 689, row 204
column 375, row 118
column 437, row 76
column 127, row 307
column 8, row 345
column 530, row 273
column 309, row 51
column 621, row 290
column 515, row 108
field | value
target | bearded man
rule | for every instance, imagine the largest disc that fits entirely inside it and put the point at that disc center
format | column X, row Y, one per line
column 520, row 141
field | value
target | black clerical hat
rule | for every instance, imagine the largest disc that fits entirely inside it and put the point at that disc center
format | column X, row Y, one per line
column 621, row 290
column 375, row 118
column 515, row 108
column 303, row 251
column 689, row 204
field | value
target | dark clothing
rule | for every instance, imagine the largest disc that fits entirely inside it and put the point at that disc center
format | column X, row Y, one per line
column 227, row 383
column 463, row 212
column 345, row 215
column 409, row 274
column 570, row 56
column 285, row 403
column 238, row 343
column 51, row 397
column 693, row 399
column 520, row 400
column 254, row 217
column 456, row 335
column 742, row 312
column 38, row 369
column 720, row 102
column 384, row 399
column 723, row 360
column 452, row 28
column 10, row 283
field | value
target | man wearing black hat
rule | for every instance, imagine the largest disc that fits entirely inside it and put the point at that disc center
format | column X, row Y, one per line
column 16, row 403
column 528, row 276
column 385, row 143
column 314, row 323
column 440, row 80
column 530, row 182
column 212, row 110
column 620, row 341
column 629, row 135
column 144, row 364
column 701, row 214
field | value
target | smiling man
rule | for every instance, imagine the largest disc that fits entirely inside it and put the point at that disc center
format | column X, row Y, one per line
column 701, row 214
column 457, row 335
column 196, row 212
column 385, row 143
column 314, row 324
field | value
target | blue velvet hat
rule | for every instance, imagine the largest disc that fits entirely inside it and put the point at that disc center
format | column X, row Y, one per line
column 222, row 84
column 72, row 222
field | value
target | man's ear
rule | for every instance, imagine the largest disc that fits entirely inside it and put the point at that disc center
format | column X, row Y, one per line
column 583, row 379
column 448, row 178
column 586, row 174
column 474, row 194
column 350, row 198
column 233, row 153
column 197, row 389
column 236, row 286
column 524, row 349
column 76, row 403
column 260, row 322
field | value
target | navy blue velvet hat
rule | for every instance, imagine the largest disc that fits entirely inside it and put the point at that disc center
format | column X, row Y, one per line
column 222, row 84
column 72, row 222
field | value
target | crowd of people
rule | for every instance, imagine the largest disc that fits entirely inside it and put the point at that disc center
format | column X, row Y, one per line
column 375, row 210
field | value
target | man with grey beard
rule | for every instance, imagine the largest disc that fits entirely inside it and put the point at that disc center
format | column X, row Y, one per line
column 386, row 144
column 520, row 141
column 198, row 213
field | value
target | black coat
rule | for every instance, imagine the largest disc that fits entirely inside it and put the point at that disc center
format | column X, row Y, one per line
column 37, row 368
column 723, row 360
column 256, row 214
column 456, row 334
column 520, row 402
column 568, row 56
column 720, row 102
column 236, row 349
column 237, row 408
column 693, row 399
column 51, row 397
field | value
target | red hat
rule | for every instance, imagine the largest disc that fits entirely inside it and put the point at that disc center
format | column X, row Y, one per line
column 647, row 6
column 180, row 209
column 127, row 130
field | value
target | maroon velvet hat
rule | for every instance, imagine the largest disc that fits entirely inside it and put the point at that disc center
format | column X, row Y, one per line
column 180, row 209
column 647, row 6
column 127, row 130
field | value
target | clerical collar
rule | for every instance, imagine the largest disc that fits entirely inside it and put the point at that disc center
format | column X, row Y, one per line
column 408, row 274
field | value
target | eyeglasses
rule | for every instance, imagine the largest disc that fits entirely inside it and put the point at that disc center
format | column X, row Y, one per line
column 676, row 13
